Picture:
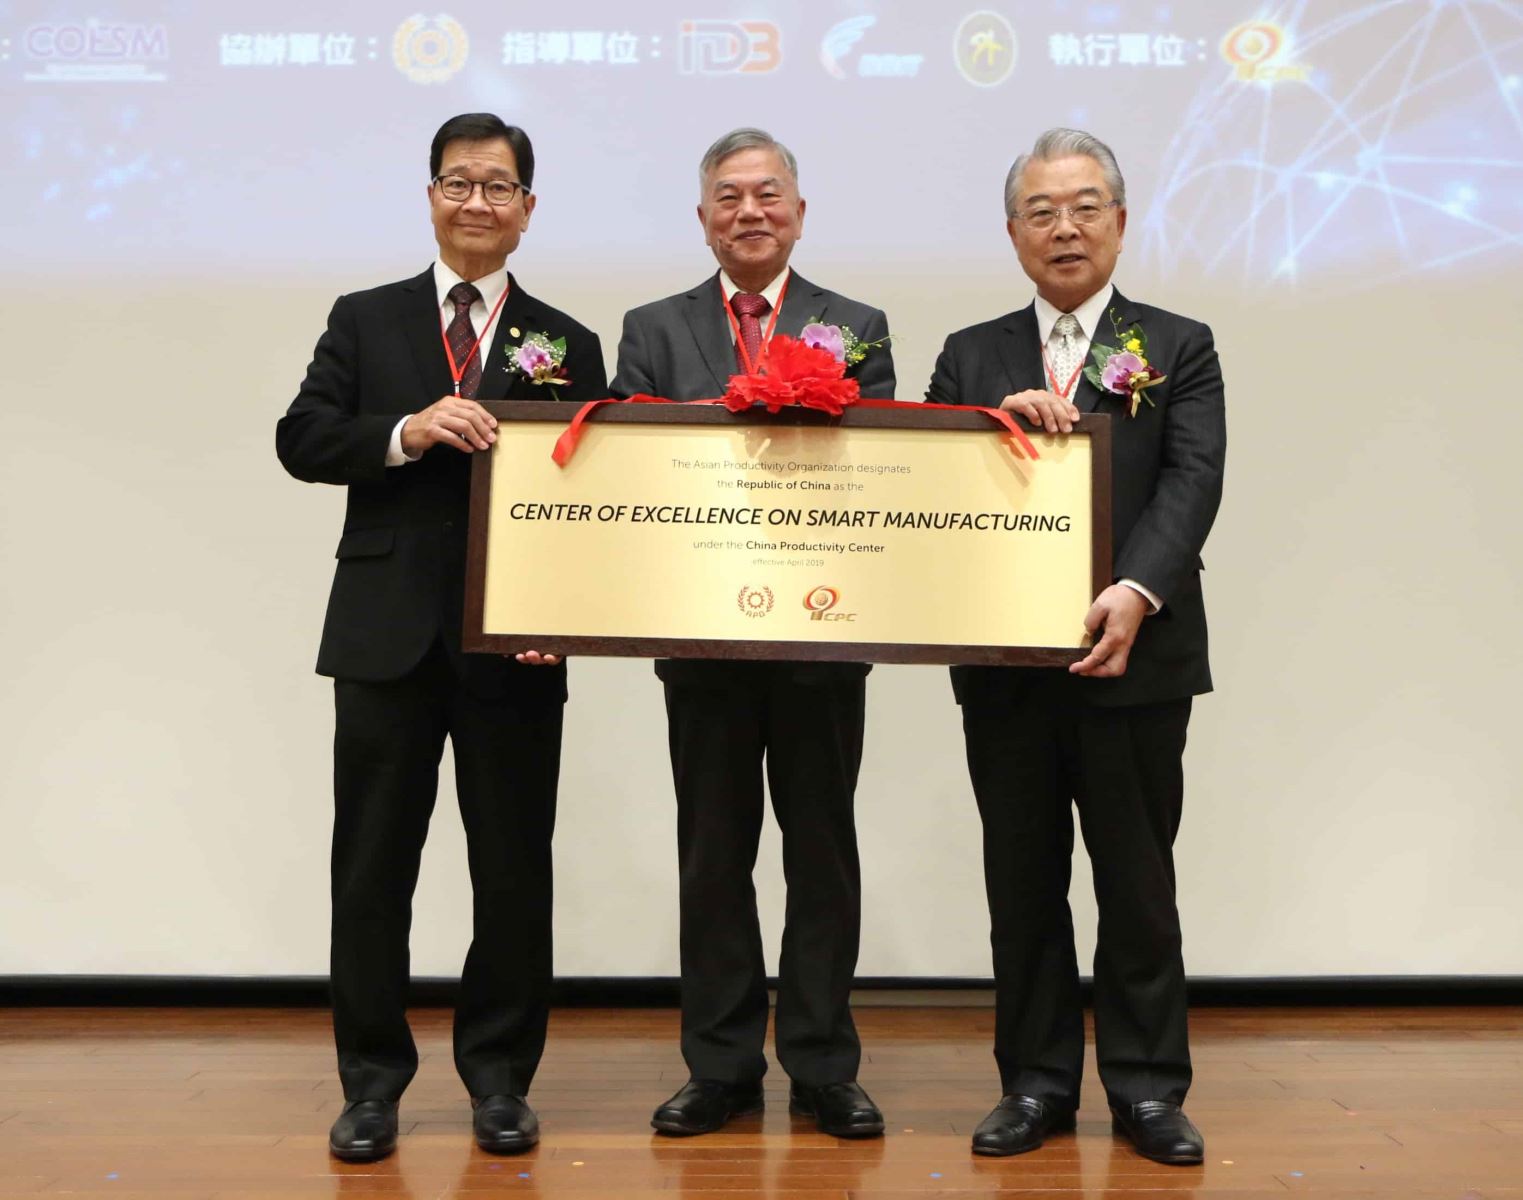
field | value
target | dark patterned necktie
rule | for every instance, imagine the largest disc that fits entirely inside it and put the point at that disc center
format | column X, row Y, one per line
column 749, row 308
column 462, row 337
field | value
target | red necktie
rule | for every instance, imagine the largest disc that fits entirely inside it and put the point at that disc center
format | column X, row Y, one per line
column 749, row 308
column 462, row 337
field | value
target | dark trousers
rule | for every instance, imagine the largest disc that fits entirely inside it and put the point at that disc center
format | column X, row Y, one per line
column 389, row 740
column 1035, row 755
column 810, row 736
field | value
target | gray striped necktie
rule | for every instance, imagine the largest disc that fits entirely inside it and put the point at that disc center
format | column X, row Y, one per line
column 1063, row 352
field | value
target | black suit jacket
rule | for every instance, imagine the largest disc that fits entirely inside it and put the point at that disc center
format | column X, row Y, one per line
column 681, row 348
column 1166, row 474
column 399, row 583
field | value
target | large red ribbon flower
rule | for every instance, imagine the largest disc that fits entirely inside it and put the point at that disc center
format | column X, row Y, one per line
column 793, row 373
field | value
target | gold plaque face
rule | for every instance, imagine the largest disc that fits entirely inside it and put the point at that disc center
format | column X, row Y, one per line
column 826, row 541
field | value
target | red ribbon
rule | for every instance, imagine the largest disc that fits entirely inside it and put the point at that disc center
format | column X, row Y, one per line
column 1017, row 434
column 571, row 436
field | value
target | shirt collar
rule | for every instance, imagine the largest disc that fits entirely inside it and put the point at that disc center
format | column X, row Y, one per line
column 771, row 291
column 490, row 286
column 1088, row 314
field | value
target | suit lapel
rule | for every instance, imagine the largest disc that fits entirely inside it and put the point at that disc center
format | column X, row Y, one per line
column 1087, row 397
column 1021, row 350
column 802, row 303
column 420, row 321
column 711, row 331
column 520, row 317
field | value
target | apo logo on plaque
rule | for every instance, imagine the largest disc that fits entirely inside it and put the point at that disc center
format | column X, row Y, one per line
column 754, row 601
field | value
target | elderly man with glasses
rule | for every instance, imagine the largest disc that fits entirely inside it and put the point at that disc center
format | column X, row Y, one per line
column 1107, row 736
column 391, row 409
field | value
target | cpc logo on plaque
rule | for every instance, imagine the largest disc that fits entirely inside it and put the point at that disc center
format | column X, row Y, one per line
column 430, row 49
column 754, row 601
column 821, row 603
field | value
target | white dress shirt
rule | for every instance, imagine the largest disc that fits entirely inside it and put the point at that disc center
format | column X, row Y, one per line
column 1094, row 323
column 484, row 316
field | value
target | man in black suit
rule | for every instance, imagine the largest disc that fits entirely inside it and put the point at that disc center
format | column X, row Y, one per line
column 725, row 718
column 1108, row 735
column 391, row 408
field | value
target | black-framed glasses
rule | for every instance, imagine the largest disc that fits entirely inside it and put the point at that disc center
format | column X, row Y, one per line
column 1046, row 216
column 498, row 192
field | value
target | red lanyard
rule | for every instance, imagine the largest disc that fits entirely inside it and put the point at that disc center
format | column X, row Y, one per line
column 456, row 370
column 745, row 355
column 1052, row 379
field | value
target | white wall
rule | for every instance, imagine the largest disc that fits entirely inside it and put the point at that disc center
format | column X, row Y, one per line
column 1353, row 789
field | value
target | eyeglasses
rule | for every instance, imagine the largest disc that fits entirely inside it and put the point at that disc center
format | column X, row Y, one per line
column 498, row 192
column 1080, row 214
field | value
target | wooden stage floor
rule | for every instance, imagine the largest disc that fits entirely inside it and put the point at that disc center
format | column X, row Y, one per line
column 235, row 1104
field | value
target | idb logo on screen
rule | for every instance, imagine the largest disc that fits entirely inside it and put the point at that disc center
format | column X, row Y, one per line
column 728, row 47
column 429, row 49
column 1255, row 50
column 821, row 603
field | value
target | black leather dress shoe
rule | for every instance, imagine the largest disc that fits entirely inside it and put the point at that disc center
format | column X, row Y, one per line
column 365, row 1131
column 704, row 1105
column 1160, row 1131
column 504, row 1125
column 842, row 1110
column 1018, row 1124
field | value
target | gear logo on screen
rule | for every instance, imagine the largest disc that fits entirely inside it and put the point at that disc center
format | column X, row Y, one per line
column 430, row 49
column 984, row 48
column 1255, row 49
column 754, row 601
column 728, row 47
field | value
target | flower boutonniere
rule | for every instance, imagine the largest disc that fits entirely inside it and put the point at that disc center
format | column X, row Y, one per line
column 1124, row 370
column 844, row 346
column 538, row 359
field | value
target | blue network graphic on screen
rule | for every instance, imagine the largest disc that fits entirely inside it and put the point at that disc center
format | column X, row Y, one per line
column 1383, row 138
column 1350, row 144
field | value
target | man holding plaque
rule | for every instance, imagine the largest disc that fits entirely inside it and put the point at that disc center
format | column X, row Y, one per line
column 1108, row 735
column 391, row 409
column 725, row 719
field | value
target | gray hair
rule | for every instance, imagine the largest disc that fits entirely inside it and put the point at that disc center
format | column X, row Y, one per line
column 1066, row 143
column 743, row 139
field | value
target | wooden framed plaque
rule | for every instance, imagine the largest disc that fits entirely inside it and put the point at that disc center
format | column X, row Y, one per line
column 882, row 535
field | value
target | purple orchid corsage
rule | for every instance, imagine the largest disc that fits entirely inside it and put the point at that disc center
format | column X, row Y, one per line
column 843, row 345
column 1124, row 370
column 539, row 358
column 825, row 337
